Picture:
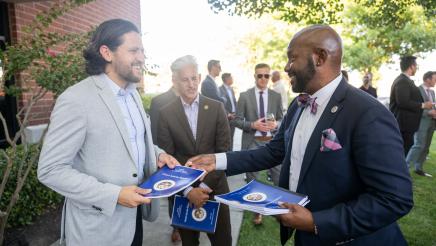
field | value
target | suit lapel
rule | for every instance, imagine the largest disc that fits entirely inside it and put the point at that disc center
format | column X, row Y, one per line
column 270, row 108
column 138, row 102
column 284, row 174
column 183, row 120
column 252, row 98
column 423, row 93
column 108, row 97
column 325, row 122
column 201, row 124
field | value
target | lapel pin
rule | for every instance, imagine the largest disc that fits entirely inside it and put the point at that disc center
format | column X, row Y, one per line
column 206, row 107
column 334, row 109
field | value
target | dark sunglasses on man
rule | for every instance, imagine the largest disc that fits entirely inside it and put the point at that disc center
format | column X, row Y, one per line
column 266, row 76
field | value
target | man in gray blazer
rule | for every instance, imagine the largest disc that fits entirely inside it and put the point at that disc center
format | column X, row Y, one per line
column 253, row 116
column 99, row 147
column 424, row 135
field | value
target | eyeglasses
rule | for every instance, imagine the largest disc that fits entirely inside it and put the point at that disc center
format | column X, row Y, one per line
column 266, row 76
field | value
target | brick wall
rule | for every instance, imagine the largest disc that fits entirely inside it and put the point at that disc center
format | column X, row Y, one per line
column 77, row 20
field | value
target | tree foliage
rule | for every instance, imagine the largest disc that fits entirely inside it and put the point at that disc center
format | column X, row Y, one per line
column 53, row 60
column 313, row 11
column 267, row 43
column 384, row 12
column 368, row 46
column 373, row 30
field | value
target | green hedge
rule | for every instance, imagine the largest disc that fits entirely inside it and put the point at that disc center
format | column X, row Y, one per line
column 146, row 101
column 34, row 198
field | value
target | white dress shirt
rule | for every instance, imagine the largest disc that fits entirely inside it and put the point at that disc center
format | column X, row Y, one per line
column 265, row 107
column 229, row 91
column 133, row 120
column 303, row 131
column 191, row 112
column 279, row 87
column 428, row 91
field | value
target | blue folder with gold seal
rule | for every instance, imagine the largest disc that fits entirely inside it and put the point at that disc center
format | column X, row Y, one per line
column 198, row 219
column 167, row 182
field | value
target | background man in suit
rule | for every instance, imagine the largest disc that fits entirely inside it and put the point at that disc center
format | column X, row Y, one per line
column 367, row 85
column 406, row 102
column 422, row 138
column 330, row 143
column 208, row 86
column 194, row 125
column 280, row 87
column 99, row 146
column 254, row 106
column 227, row 90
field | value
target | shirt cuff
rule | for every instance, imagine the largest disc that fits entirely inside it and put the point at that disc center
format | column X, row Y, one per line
column 205, row 186
column 187, row 190
column 221, row 161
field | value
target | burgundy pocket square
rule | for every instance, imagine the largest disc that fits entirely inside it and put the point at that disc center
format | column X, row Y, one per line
column 329, row 141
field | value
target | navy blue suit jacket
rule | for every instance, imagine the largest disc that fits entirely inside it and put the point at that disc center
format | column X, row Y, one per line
column 356, row 193
column 210, row 89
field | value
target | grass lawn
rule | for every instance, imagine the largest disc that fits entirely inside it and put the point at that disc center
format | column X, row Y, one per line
column 419, row 226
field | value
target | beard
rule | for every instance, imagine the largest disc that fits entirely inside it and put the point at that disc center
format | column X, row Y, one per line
column 127, row 74
column 300, row 79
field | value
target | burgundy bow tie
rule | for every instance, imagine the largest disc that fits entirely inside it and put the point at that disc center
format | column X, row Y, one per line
column 304, row 100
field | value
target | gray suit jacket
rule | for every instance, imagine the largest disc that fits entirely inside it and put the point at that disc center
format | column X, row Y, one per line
column 246, row 113
column 87, row 157
column 228, row 104
column 426, row 120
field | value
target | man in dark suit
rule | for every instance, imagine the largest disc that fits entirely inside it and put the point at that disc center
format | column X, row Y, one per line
column 227, row 91
column 192, row 125
column 157, row 103
column 406, row 102
column 427, row 125
column 208, row 86
column 339, row 146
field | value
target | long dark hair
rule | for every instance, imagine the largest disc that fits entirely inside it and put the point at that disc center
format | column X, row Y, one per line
column 108, row 33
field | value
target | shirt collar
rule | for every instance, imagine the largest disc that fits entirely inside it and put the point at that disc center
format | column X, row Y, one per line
column 405, row 74
column 196, row 101
column 257, row 90
column 211, row 77
column 426, row 87
column 323, row 95
column 117, row 90
column 227, row 87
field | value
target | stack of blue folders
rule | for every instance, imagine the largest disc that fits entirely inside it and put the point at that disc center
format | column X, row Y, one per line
column 261, row 198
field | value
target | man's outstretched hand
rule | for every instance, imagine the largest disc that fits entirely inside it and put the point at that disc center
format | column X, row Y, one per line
column 206, row 162
column 166, row 159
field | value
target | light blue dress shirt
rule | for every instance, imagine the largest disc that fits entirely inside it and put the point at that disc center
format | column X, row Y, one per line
column 134, row 122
